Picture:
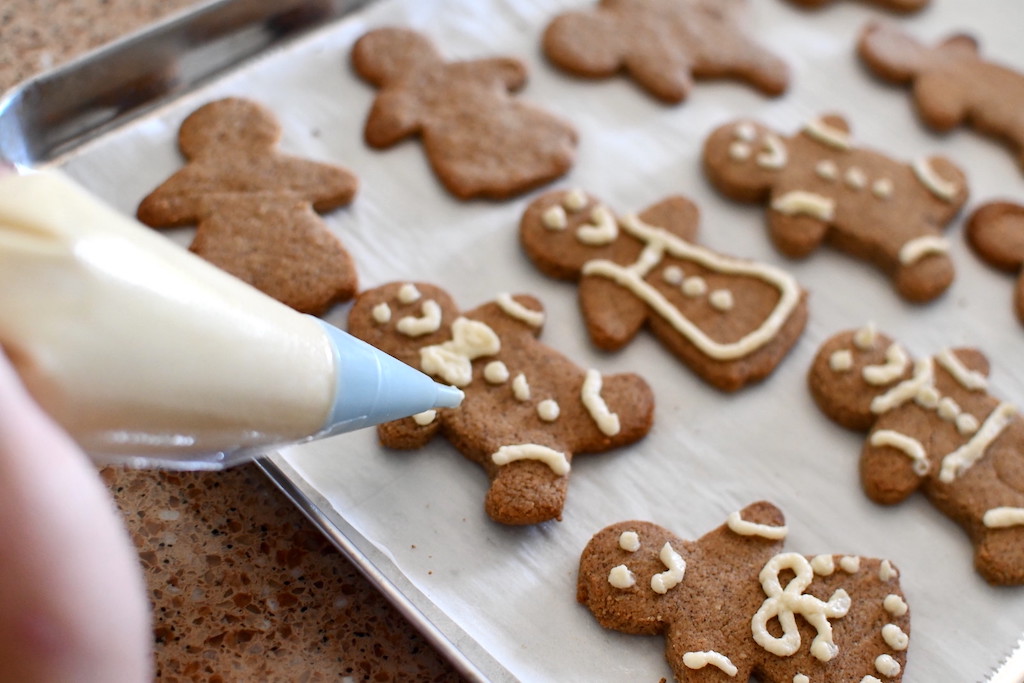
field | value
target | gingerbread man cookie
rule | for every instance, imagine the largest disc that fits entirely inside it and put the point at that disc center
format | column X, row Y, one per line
column 527, row 409
column 952, row 84
column 932, row 426
column 663, row 45
column 255, row 208
column 733, row 605
column 730, row 320
column 480, row 141
column 819, row 187
column 891, row 5
column 995, row 232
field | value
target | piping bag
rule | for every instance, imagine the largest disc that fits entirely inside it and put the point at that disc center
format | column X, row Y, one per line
column 151, row 357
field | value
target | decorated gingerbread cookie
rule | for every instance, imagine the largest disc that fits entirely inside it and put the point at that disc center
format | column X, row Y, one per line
column 733, row 604
column 952, row 84
column 663, row 45
column 820, row 187
column 527, row 411
column 891, row 5
column 480, row 141
column 730, row 320
column 996, row 233
column 255, row 208
column 932, row 426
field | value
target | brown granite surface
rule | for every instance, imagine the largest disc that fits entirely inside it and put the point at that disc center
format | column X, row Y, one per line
column 243, row 587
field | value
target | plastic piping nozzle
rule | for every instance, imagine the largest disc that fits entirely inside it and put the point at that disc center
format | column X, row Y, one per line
column 373, row 387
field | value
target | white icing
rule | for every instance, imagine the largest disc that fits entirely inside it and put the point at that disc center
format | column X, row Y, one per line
column 849, row 564
column 887, row 666
column 894, row 605
column 671, row 577
column 694, row 286
column 1003, row 517
column 620, row 577
column 967, row 424
column 602, row 229
column 574, row 200
column 590, row 395
column 894, row 637
column 629, row 541
column 740, row 526
column 429, row 321
column 739, row 151
column 886, row 571
column 496, row 372
column 827, row 134
column 827, row 169
column 896, row 360
column 381, row 313
column 919, row 383
column 513, row 308
column 556, row 460
column 745, row 131
column 408, row 293
column 698, row 660
column 785, row 603
column 969, row 379
column 907, row 445
column 865, row 337
column 673, row 275
column 916, row 249
column 801, row 678
column 721, row 299
column 425, row 418
column 774, row 155
column 882, row 188
column 804, row 203
column 453, row 360
column 933, row 182
column 948, row 409
column 963, row 458
column 823, row 565
column 548, row 410
column 660, row 241
column 554, row 218
column 841, row 360
column 870, row 679
column 521, row 388
column 855, row 178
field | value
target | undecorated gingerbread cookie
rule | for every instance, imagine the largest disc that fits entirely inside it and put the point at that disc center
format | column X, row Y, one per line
column 820, row 187
column 527, row 411
column 479, row 139
column 255, row 208
column 663, row 45
column 951, row 83
column 730, row 320
column 733, row 604
column 933, row 426
column 995, row 232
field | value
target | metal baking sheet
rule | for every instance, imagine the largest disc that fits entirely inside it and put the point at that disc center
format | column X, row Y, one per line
column 500, row 601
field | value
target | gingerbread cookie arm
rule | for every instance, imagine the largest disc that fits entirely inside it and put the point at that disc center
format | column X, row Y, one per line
column 798, row 222
column 666, row 76
column 677, row 214
column 409, row 433
column 171, row 204
column 393, row 117
column 508, row 71
column 940, row 100
column 752, row 64
column 613, row 314
column 893, row 464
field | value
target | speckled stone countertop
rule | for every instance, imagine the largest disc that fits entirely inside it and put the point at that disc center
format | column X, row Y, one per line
column 243, row 587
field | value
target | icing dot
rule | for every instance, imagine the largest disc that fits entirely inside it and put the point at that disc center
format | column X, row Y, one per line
column 801, row 678
column 850, row 564
column 865, row 337
column 882, row 188
column 694, row 286
column 382, row 312
column 886, row 571
column 948, row 408
column 621, row 577
column 721, row 299
column 574, row 200
column 967, row 424
column 424, row 418
column 739, row 151
column 672, row 275
column 554, row 218
column 629, row 541
column 855, row 178
column 841, row 360
column 521, row 388
column 928, row 397
column 496, row 372
column 548, row 410
column 887, row 666
column 746, row 131
column 826, row 169
column 894, row 605
column 408, row 293
column 870, row 679
column 894, row 637
column 823, row 565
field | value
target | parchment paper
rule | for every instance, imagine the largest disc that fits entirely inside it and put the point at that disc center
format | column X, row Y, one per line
column 506, row 596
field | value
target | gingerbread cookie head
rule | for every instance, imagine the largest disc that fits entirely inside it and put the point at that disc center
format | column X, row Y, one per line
column 730, row 320
column 933, row 427
column 479, row 139
column 820, row 187
column 995, row 232
column 527, row 411
column 663, row 45
column 733, row 604
column 229, row 126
